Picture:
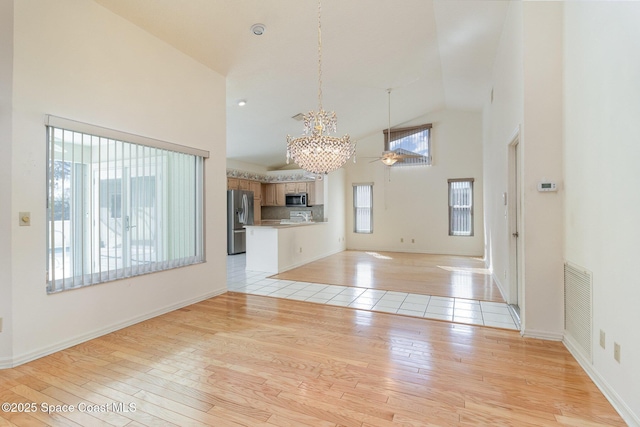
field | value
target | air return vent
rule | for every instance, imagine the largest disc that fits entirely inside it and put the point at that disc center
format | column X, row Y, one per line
column 578, row 308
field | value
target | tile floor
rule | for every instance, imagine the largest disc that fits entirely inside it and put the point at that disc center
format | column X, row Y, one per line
column 457, row 310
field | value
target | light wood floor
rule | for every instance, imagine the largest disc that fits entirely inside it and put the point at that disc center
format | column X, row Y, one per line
column 438, row 275
column 240, row 359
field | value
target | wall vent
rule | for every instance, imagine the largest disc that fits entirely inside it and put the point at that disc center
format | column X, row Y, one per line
column 578, row 307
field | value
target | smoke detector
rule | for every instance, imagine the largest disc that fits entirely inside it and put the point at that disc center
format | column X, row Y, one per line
column 258, row 29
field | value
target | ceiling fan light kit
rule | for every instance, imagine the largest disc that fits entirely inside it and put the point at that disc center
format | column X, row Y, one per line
column 388, row 160
column 316, row 151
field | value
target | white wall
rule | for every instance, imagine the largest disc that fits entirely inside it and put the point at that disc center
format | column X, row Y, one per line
column 75, row 59
column 542, row 154
column 412, row 202
column 245, row 167
column 602, row 106
column 335, row 208
column 6, row 84
column 527, row 98
column 572, row 89
column 502, row 118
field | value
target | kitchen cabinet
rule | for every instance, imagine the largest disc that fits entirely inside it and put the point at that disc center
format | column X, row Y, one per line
column 295, row 187
column 256, row 187
column 268, row 194
column 280, row 192
column 315, row 191
column 244, row 184
column 274, row 194
column 233, row 184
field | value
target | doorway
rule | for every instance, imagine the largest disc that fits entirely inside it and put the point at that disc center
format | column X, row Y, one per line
column 513, row 200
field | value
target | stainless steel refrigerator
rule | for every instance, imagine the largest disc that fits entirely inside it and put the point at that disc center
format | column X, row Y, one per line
column 239, row 214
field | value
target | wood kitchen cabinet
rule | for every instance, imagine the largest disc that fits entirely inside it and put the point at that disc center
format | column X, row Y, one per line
column 233, row 184
column 268, row 195
column 295, row 187
column 273, row 194
column 315, row 191
column 256, row 187
column 244, row 184
column 280, row 192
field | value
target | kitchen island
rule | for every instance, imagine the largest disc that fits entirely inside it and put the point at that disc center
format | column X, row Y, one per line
column 274, row 247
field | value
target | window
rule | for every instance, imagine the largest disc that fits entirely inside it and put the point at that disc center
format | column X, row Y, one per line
column 461, row 207
column 117, row 209
column 363, row 208
column 412, row 141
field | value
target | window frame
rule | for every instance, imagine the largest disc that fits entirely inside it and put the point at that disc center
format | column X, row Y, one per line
column 356, row 207
column 85, row 163
column 392, row 135
column 452, row 208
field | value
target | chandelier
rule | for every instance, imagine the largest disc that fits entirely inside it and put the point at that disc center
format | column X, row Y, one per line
column 316, row 151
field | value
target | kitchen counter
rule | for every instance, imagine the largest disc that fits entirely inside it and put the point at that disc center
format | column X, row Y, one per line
column 274, row 247
column 278, row 224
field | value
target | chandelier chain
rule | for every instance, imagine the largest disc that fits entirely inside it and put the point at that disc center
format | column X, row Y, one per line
column 316, row 151
column 319, row 57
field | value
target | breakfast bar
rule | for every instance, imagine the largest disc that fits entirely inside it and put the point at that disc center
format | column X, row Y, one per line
column 274, row 247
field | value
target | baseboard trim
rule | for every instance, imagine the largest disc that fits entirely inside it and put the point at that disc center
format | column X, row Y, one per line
column 7, row 363
column 542, row 335
column 498, row 283
column 609, row 393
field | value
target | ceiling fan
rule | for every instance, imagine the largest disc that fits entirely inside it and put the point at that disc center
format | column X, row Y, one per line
column 390, row 157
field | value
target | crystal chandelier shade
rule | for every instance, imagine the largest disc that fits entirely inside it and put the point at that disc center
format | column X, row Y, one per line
column 316, row 151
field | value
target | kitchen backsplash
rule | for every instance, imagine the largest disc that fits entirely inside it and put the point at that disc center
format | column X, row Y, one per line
column 282, row 212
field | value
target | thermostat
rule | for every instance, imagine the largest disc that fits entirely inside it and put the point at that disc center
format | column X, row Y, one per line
column 547, row 186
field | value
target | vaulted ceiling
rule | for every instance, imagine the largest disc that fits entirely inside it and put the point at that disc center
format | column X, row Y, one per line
column 433, row 54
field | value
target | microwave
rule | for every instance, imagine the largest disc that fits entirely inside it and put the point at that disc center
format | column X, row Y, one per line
column 296, row 199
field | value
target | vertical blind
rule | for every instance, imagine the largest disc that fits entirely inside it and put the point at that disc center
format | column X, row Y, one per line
column 410, row 140
column 117, row 209
column 461, row 207
column 363, row 208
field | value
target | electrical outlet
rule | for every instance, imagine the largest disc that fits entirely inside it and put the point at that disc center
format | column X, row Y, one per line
column 413, row 240
column 0, row 324
column 602, row 339
column 616, row 351
column 300, row 249
column 401, row 240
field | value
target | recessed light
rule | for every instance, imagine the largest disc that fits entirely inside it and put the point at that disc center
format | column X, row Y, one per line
column 242, row 103
column 258, row 29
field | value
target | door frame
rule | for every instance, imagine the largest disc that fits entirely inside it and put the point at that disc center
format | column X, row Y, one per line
column 515, row 221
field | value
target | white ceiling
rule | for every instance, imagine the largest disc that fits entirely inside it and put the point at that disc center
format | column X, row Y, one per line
column 433, row 54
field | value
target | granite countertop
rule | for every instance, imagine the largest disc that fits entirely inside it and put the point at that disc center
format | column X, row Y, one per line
column 278, row 224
